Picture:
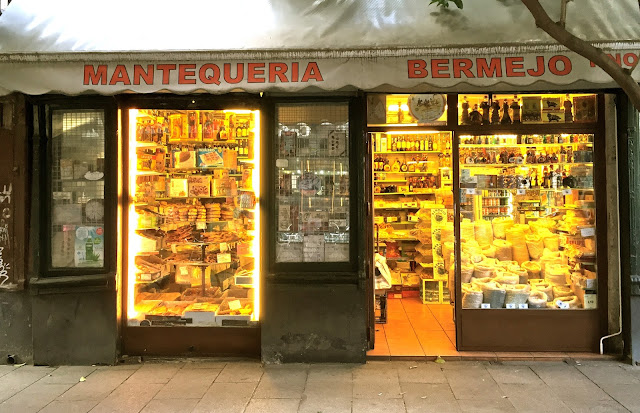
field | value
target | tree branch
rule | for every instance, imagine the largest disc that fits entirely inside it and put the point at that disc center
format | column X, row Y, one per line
column 563, row 13
column 621, row 76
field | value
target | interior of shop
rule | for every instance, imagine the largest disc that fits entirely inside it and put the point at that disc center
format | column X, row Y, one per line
column 193, row 218
column 526, row 203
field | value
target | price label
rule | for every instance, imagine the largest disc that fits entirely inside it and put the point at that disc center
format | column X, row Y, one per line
column 562, row 304
column 470, row 191
column 201, row 225
column 510, row 306
column 521, row 192
column 523, row 306
column 235, row 305
column 566, row 192
column 588, row 232
column 224, row 247
column 485, row 305
column 222, row 258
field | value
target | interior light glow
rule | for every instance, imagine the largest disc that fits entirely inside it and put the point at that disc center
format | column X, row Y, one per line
column 134, row 241
column 255, row 186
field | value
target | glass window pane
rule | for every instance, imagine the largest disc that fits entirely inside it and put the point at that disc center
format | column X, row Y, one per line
column 528, row 221
column 406, row 110
column 194, row 218
column 77, row 185
column 312, row 185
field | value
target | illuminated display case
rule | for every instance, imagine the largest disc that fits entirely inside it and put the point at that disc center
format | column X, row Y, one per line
column 193, row 218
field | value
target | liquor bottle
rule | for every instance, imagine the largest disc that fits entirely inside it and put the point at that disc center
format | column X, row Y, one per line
column 430, row 148
column 545, row 177
column 435, row 144
column 404, row 167
column 448, row 145
column 396, row 166
column 394, row 145
column 484, row 107
column 239, row 133
column 193, row 126
column 421, row 144
column 245, row 130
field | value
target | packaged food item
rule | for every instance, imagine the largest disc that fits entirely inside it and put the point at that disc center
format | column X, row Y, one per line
column 184, row 159
column 209, row 158
column 199, row 185
column 178, row 187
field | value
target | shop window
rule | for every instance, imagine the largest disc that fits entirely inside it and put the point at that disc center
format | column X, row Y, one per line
column 527, row 230
column 77, row 185
column 406, row 110
column 193, row 218
column 550, row 109
column 312, row 183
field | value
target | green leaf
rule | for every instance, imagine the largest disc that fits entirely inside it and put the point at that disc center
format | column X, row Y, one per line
column 458, row 3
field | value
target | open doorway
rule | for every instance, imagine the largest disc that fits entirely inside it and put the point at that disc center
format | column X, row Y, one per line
column 413, row 242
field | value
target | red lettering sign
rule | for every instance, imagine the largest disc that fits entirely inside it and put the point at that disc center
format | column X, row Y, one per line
column 166, row 72
column 494, row 69
column 255, row 70
column 278, row 70
column 209, row 79
column 539, row 71
column 462, row 66
column 512, row 64
column 417, row 69
column 139, row 73
column 184, row 71
column 312, row 72
column 553, row 65
column 439, row 68
column 120, row 75
column 239, row 73
column 95, row 76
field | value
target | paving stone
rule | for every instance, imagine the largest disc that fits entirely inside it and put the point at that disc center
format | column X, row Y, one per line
column 205, row 364
column 601, row 373
column 376, row 384
column 513, row 375
column 421, row 373
column 78, row 406
column 581, row 406
column 533, row 398
column 315, row 403
column 473, row 384
column 429, row 397
column 154, row 373
column 226, row 398
column 170, row 406
column 33, row 398
column 583, row 393
column 488, row 406
column 188, row 384
column 627, row 395
column 320, row 389
column 335, row 373
column 128, row 398
column 99, row 385
column 240, row 373
column 286, row 383
column 378, row 406
column 562, row 375
column 20, row 378
column 67, row 375
column 6, row 369
column 273, row 406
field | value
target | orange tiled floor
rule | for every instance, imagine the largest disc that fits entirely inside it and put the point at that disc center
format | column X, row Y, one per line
column 415, row 329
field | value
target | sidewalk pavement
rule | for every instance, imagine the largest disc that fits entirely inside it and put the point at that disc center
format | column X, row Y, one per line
column 379, row 386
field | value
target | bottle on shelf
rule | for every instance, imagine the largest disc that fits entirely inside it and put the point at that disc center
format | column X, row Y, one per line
column 394, row 145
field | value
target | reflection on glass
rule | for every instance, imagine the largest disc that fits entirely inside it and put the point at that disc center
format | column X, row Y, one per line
column 528, row 221
column 312, row 185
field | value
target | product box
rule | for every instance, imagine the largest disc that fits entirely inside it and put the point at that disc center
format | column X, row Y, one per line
column 178, row 187
column 531, row 109
column 191, row 275
column 89, row 247
column 234, row 311
column 203, row 314
column 178, row 127
column 209, row 158
column 199, row 186
column 183, row 159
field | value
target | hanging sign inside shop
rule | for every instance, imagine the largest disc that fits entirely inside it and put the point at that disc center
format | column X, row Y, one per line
column 429, row 73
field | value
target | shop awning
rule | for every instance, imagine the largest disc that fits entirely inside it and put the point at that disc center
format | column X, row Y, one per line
column 147, row 46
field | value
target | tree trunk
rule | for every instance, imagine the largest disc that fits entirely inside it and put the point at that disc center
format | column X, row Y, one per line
column 620, row 75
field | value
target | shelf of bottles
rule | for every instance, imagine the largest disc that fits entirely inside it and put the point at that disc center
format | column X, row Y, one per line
column 412, row 187
column 193, row 218
column 528, row 221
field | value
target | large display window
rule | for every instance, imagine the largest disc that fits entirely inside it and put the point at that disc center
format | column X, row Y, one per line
column 193, row 218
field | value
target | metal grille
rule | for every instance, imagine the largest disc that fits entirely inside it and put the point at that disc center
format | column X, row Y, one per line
column 312, row 152
column 77, row 188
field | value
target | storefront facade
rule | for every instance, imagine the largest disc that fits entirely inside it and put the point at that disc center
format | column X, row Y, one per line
column 224, row 203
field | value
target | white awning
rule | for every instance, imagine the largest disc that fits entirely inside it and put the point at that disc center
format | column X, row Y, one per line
column 147, row 46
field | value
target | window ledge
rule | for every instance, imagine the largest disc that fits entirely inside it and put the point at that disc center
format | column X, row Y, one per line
column 72, row 284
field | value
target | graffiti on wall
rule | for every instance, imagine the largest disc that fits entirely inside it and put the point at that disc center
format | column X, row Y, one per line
column 5, row 215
